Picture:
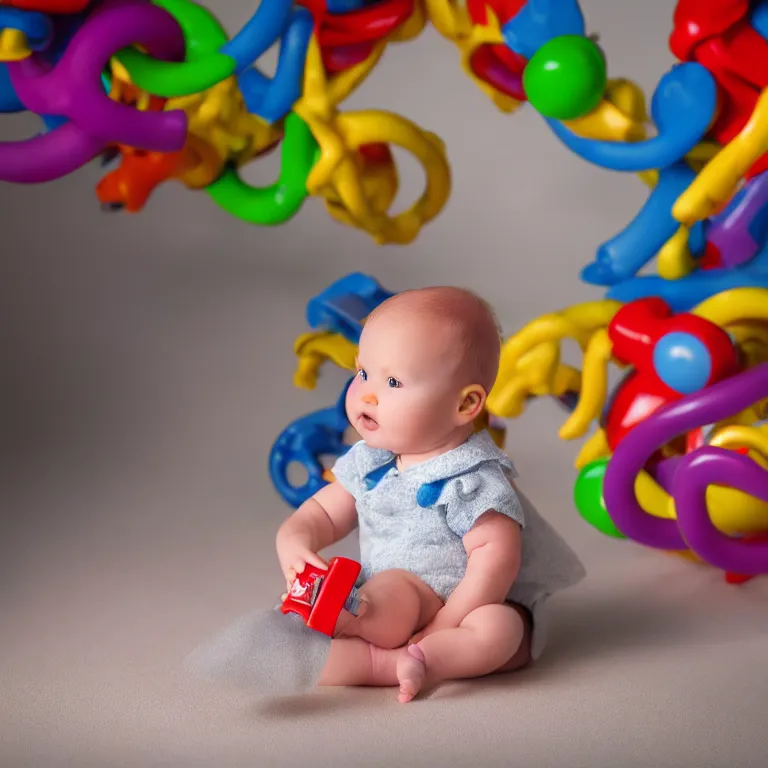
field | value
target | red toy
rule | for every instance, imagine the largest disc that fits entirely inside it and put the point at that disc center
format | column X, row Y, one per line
column 496, row 63
column 49, row 6
column 718, row 35
column 635, row 331
column 347, row 39
column 318, row 596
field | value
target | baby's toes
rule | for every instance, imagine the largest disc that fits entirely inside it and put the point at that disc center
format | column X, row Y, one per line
column 411, row 671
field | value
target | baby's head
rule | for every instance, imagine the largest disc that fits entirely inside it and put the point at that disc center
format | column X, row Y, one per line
column 426, row 362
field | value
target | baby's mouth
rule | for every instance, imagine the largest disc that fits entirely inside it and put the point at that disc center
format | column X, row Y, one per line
column 367, row 422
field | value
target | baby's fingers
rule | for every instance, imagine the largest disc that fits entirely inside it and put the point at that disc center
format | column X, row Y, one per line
column 316, row 560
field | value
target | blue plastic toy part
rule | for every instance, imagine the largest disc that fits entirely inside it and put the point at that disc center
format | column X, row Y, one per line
column 540, row 21
column 684, row 294
column 759, row 18
column 304, row 441
column 9, row 101
column 624, row 255
column 272, row 99
column 37, row 27
column 62, row 29
column 345, row 6
column 683, row 107
column 682, row 362
column 259, row 33
column 343, row 305
column 51, row 122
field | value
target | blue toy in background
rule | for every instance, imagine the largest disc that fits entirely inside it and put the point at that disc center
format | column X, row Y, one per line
column 343, row 305
column 304, row 442
column 338, row 311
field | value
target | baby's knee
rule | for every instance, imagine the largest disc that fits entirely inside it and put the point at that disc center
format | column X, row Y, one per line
column 398, row 606
column 393, row 585
column 496, row 627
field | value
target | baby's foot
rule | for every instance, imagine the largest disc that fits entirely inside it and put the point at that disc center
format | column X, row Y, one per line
column 411, row 671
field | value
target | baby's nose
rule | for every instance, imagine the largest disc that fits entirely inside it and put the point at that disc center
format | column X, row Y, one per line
column 370, row 399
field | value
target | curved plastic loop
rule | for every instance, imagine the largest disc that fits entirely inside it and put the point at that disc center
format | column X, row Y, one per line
column 710, row 405
column 171, row 80
column 73, row 88
column 579, row 322
column 530, row 365
column 204, row 66
column 259, row 33
column 500, row 79
column 379, row 181
column 281, row 201
column 683, row 107
column 366, row 25
column 736, row 307
column 22, row 32
column 626, row 253
column 336, row 172
column 272, row 98
column 720, row 178
column 540, row 21
column 48, row 156
column 211, row 57
column 303, row 442
column 203, row 33
column 738, row 232
column 682, row 295
column 10, row 102
column 220, row 131
column 450, row 18
column 709, row 466
column 51, row 6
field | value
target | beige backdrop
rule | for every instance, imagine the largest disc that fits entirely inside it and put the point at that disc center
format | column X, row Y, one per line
column 146, row 370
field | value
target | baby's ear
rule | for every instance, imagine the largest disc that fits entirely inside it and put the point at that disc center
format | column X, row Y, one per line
column 471, row 403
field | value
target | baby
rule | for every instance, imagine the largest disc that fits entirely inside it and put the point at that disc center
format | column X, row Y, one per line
column 456, row 563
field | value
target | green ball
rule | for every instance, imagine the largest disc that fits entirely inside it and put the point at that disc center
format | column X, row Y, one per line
column 565, row 78
column 588, row 495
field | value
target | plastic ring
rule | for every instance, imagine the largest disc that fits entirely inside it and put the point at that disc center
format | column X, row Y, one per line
column 281, row 201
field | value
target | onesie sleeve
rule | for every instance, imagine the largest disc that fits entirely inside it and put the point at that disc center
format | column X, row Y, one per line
column 347, row 472
column 470, row 495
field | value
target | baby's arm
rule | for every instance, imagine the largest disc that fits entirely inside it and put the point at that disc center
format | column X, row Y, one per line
column 329, row 516
column 483, row 509
column 494, row 547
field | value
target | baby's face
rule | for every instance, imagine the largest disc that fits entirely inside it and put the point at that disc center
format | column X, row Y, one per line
column 405, row 397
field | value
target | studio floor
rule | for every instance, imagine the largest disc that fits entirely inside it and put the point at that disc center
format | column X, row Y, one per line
column 149, row 525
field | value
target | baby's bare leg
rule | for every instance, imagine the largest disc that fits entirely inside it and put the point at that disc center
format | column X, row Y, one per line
column 472, row 650
column 397, row 604
column 355, row 662
column 485, row 641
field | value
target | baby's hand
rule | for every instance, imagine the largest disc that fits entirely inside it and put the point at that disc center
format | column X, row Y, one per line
column 294, row 554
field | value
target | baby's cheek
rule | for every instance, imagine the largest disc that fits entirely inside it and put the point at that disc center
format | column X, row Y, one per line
column 421, row 415
column 397, row 413
column 351, row 396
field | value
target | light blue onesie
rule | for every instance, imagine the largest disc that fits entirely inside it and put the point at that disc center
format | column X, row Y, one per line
column 415, row 519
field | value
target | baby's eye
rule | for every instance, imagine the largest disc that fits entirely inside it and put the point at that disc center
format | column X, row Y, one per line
column 362, row 374
column 393, row 382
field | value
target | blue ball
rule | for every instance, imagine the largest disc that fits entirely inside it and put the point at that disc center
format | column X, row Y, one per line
column 682, row 362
